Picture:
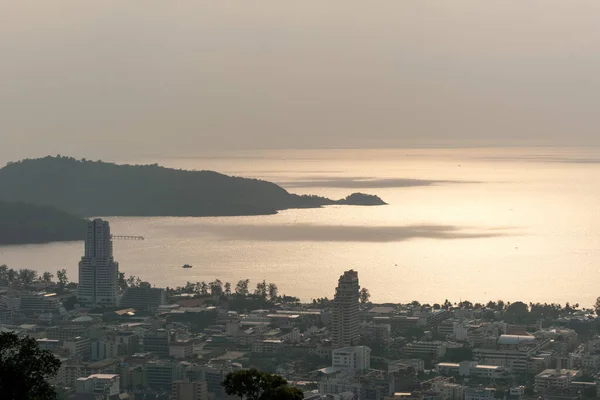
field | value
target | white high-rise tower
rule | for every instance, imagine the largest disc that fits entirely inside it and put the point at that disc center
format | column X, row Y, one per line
column 98, row 271
column 345, row 318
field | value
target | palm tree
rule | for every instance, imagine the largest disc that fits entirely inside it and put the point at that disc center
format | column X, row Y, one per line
column 203, row 288
column 216, row 287
column 47, row 277
column 273, row 291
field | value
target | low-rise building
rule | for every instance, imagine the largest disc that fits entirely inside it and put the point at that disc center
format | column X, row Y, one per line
column 78, row 346
column 416, row 363
column 143, row 298
column 357, row 358
column 432, row 317
column 162, row 374
column 157, row 342
column 374, row 385
column 511, row 351
column 473, row 369
column 110, row 366
column 104, row 349
column 48, row 344
column 106, row 385
column 67, row 332
column 480, row 393
column 186, row 390
column 555, row 380
column 376, row 331
column 433, row 350
column 181, row 349
column 268, row 346
column 40, row 303
column 444, row 388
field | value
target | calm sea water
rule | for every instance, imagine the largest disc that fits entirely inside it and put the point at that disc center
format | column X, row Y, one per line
column 481, row 224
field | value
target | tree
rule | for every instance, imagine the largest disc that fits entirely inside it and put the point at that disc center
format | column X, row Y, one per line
column 255, row 385
column 364, row 295
column 568, row 308
column 47, row 277
column 242, row 287
column 289, row 299
column 61, row 275
column 11, row 276
column 415, row 333
column 465, row 304
column 516, row 313
column 285, row 392
column 261, row 289
column 203, row 288
column 131, row 281
column 597, row 306
column 26, row 276
column 227, row 289
column 273, row 291
column 458, row 354
column 447, row 305
column 4, row 273
column 25, row 368
column 500, row 305
column 216, row 287
column 190, row 287
column 122, row 281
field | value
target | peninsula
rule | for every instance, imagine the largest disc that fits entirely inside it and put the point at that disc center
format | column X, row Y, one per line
column 95, row 188
column 22, row 223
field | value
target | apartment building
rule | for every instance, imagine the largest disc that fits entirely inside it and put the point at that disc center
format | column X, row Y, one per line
column 555, row 380
column 357, row 358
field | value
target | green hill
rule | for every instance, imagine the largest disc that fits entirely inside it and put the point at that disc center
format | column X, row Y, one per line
column 94, row 188
column 22, row 223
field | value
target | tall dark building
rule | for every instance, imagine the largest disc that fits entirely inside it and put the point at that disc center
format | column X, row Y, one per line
column 345, row 321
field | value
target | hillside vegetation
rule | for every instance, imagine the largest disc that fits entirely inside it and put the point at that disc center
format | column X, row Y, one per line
column 95, row 188
column 22, row 223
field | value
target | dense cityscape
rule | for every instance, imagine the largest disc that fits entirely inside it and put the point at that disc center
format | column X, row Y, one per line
column 318, row 200
column 118, row 337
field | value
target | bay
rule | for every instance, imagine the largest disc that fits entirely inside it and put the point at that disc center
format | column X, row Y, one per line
column 478, row 224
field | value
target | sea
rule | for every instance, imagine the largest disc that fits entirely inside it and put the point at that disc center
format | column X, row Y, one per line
column 473, row 224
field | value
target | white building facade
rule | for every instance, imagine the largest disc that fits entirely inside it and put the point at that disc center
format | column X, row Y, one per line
column 357, row 358
column 98, row 271
column 345, row 325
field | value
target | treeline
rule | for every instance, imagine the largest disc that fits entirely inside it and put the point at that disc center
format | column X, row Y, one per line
column 264, row 290
column 363, row 296
column 24, row 278
column 517, row 312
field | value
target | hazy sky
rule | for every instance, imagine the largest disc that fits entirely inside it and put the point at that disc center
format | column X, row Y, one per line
column 118, row 78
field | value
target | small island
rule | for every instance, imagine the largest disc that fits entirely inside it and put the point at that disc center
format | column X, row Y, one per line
column 94, row 188
column 362, row 199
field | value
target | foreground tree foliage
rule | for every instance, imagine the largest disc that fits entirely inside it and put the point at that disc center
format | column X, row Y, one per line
column 252, row 384
column 25, row 368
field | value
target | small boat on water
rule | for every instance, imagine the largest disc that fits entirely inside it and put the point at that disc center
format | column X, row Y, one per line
column 187, row 266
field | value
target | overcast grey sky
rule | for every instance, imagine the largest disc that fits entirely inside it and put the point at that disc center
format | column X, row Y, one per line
column 118, row 78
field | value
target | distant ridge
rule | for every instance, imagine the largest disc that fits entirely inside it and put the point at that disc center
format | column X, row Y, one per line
column 96, row 188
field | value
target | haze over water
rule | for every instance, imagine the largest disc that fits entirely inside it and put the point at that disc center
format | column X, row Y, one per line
column 477, row 224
